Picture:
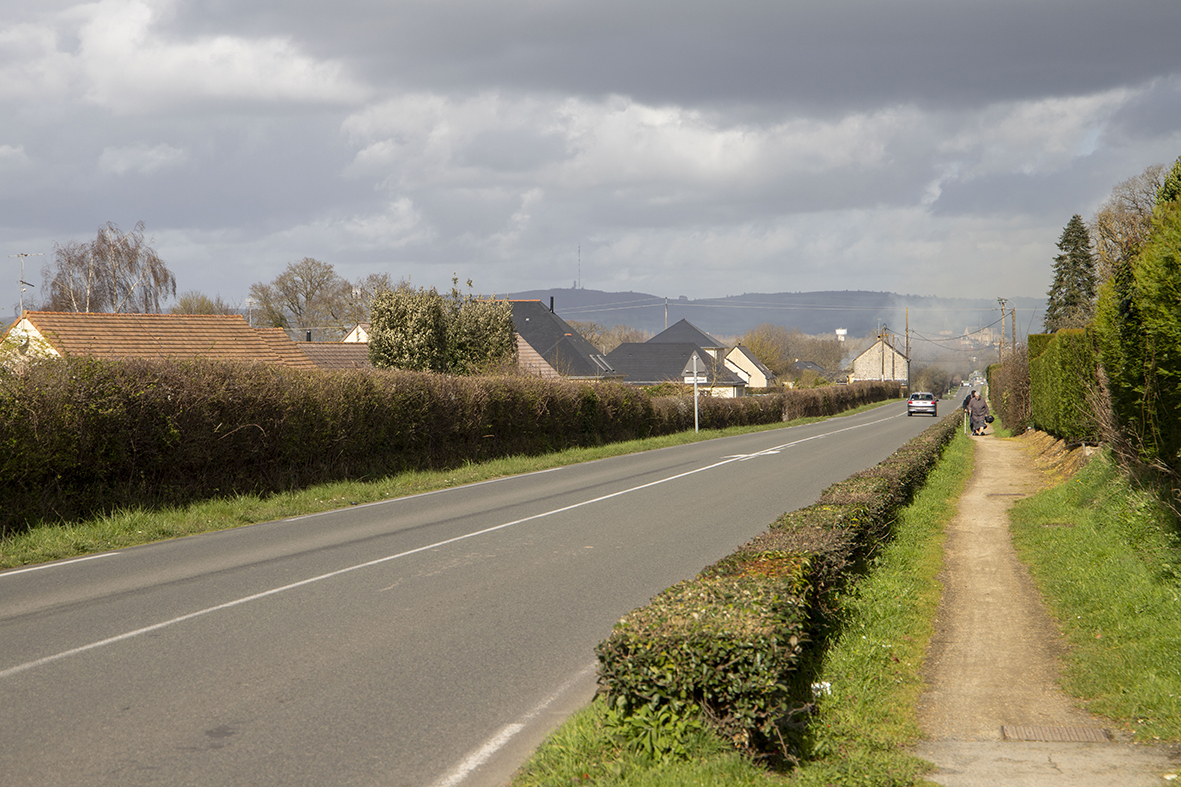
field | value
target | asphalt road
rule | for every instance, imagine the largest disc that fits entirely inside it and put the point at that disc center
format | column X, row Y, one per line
column 431, row 640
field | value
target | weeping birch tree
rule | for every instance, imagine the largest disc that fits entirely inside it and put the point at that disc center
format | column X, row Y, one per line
column 116, row 272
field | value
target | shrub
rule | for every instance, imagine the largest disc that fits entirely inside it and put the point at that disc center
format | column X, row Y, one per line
column 724, row 645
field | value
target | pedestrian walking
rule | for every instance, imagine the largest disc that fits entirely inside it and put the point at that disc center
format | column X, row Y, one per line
column 977, row 413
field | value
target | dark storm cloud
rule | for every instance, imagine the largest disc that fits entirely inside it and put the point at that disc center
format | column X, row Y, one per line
column 837, row 55
column 688, row 146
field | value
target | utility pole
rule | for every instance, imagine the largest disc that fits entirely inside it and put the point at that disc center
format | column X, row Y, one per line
column 882, row 349
column 1013, row 317
column 24, row 283
column 908, row 350
column 1001, row 345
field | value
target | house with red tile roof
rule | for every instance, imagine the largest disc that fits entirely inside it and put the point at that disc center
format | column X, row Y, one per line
column 155, row 336
column 337, row 355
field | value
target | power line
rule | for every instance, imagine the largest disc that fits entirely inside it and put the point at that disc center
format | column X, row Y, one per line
column 760, row 305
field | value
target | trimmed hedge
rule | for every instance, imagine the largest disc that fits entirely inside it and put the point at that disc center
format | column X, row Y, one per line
column 721, row 644
column 1037, row 343
column 1062, row 377
column 730, row 642
column 81, row 436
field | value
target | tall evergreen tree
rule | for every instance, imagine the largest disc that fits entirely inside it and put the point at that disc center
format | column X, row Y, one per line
column 1170, row 189
column 1071, row 302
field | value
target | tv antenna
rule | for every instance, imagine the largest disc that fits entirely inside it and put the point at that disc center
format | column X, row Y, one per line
column 24, row 283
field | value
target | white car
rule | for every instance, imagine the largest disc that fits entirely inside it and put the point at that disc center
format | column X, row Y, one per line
column 922, row 402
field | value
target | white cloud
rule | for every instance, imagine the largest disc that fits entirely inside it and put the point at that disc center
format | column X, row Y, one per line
column 123, row 57
column 400, row 225
column 1032, row 137
column 12, row 156
column 31, row 67
column 389, row 135
column 614, row 142
column 140, row 159
column 658, row 190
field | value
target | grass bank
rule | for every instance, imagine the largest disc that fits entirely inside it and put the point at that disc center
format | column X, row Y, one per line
column 868, row 686
column 137, row 526
column 1107, row 559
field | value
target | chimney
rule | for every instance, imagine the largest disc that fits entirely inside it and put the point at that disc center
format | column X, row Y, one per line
column 309, row 335
column 551, row 304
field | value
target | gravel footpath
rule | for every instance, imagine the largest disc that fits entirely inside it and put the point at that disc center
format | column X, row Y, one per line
column 993, row 713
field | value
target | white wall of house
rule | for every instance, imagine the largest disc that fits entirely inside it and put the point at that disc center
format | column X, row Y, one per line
column 739, row 362
column 360, row 334
column 25, row 341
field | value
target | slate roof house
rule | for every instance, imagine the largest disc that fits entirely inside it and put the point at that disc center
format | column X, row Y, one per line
column 739, row 360
column 155, row 336
column 549, row 347
column 685, row 331
column 337, row 355
column 652, row 363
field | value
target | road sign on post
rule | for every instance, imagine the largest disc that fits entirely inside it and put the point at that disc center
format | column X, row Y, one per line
column 695, row 393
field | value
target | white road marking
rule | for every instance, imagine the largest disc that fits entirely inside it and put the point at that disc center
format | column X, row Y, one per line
column 55, row 564
column 506, row 733
column 19, row 668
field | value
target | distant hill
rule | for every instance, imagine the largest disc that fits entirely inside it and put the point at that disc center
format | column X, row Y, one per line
column 818, row 313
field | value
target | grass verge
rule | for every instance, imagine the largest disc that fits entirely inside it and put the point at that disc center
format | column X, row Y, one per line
column 133, row 527
column 1107, row 559
column 872, row 668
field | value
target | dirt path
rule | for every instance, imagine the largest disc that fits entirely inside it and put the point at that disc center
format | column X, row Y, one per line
column 993, row 712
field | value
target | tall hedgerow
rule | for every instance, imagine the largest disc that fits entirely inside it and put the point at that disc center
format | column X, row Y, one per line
column 1139, row 331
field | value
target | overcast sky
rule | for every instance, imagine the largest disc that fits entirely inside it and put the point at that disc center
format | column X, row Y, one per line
column 688, row 148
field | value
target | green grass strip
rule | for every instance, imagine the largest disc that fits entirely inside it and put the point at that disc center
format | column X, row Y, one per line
column 1107, row 559
column 133, row 527
column 873, row 668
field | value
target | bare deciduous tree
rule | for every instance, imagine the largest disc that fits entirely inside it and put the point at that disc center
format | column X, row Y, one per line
column 194, row 302
column 1122, row 222
column 116, row 272
column 311, row 295
column 779, row 348
column 361, row 294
